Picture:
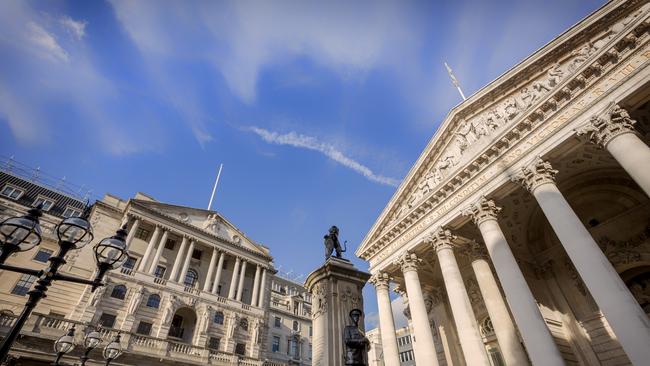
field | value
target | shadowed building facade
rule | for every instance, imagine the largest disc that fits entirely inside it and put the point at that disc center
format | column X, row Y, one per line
column 528, row 214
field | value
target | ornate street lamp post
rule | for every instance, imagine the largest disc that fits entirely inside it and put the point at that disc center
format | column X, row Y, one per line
column 91, row 341
column 24, row 233
column 113, row 350
column 64, row 345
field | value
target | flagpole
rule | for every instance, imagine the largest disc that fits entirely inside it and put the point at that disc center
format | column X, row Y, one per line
column 455, row 81
column 214, row 189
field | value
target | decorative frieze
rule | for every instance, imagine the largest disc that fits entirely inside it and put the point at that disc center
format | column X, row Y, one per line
column 482, row 210
column 534, row 175
column 602, row 129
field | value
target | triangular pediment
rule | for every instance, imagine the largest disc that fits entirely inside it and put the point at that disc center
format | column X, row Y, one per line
column 210, row 222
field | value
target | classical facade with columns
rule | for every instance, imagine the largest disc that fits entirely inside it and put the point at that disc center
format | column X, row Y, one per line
column 525, row 223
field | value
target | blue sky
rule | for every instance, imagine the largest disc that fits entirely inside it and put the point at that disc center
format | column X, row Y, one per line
column 316, row 109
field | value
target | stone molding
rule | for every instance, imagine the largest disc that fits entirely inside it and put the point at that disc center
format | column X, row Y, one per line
column 602, row 129
column 380, row 280
column 572, row 90
column 441, row 239
column 482, row 210
column 539, row 172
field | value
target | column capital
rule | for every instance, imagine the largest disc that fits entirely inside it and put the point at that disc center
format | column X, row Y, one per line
column 482, row 210
column 436, row 294
column 400, row 290
column 601, row 129
column 440, row 239
column 409, row 262
column 534, row 175
column 476, row 251
column 381, row 280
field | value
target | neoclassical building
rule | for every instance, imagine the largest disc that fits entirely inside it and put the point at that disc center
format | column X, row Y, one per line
column 528, row 212
column 194, row 290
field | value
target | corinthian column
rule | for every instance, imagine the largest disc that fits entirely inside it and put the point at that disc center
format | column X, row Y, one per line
column 134, row 229
column 156, row 257
column 504, row 329
column 461, row 308
column 232, row 290
column 623, row 313
column 178, row 261
column 152, row 243
column 532, row 327
column 256, row 285
column 615, row 132
column 386, row 322
column 208, row 277
column 240, row 288
column 425, row 352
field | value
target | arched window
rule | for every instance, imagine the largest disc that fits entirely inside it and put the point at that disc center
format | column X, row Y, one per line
column 218, row 317
column 191, row 278
column 153, row 301
column 296, row 326
column 243, row 323
column 119, row 292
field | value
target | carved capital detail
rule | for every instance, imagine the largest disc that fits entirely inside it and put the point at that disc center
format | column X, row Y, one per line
column 441, row 239
column 482, row 210
column 409, row 262
column 534, row 175
column 477, row 251
column 438, row 295
column 380, row 280
column 603, row 129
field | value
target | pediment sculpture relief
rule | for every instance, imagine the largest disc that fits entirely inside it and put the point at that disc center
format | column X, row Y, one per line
column 216, row 226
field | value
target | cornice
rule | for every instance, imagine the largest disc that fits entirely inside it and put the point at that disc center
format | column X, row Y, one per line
column 553, row 103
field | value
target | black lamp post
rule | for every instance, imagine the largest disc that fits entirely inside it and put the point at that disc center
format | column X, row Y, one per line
column 24, row 233
column 64, row 345
column 113, row 350
column 91, row 341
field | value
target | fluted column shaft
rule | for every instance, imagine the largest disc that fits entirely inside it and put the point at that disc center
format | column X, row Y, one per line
column 256, row 284
column 262, row 289
column 425, row 352
column 540, row 345
column 156, row 257
column 466, row 325
column 232, row 291
column 208, row 277
column 242, row 276
column 386, row 321
column 186, row 263
column 217, row 276
column 504, row 329
column 623, row 313
column 132, row 231
column 152, row 243
column 178, row 261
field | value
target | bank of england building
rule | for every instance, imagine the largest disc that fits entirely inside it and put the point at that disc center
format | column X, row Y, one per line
column 527, row 215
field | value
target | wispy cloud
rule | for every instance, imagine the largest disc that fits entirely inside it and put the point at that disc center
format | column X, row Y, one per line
column 76, row 27
column 311, row 143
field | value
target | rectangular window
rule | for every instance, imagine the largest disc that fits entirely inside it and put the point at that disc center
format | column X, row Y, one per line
column 214, row 343
column 275, row 347
column 45, row 202
column 278, row 322
column 196, row 254
column 24, row 284
column 160, row 271
column 311, row 330
column 107, row 320
column 12, row 192
column 142, row 233
column 71, row 212
column 144, row 328
column 170, row 244
column 43, row 255
column 240, row 349
column 130, row 262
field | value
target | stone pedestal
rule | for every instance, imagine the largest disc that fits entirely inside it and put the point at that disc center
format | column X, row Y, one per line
column 335, row 289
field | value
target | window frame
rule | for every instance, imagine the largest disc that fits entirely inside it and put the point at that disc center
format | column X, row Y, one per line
column 273, row 344
column 75, row 212
column 148, row 326
column 99, row 321
column 115, row 288
column 160, row 268
column 277, row 322
column 135, row 262
column 41, row 250
column 14, row 189
column 149, row 299
column 44, row 199
column 139, row 233
column 211, row 345
column 24, row 284
column 196, row 278
column 218, row 315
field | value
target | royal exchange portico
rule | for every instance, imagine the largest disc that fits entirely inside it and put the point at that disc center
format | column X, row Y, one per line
column 525, row 223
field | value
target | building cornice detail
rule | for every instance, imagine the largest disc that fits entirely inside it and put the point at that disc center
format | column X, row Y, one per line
column 528, row 127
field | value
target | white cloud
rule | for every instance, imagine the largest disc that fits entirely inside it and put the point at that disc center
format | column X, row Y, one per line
column 76, row 27
column 311, row 143
column 45, row 44
column 397, row 306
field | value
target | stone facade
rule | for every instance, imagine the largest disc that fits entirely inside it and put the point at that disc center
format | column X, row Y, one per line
column 195, row 289
column 527, row 212
column 289, row 340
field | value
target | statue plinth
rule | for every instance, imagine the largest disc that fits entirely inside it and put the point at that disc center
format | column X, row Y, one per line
column 336, row 289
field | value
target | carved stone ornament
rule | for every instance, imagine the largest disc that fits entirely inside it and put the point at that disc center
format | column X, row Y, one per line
column 319, row 300
column 603, row 129
column 441, row 239
column 380, row 280
column 538, row 173
column 474, row 293
column 476, row 251
column 409, row 262
column 438, row 295
column 482, row 210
